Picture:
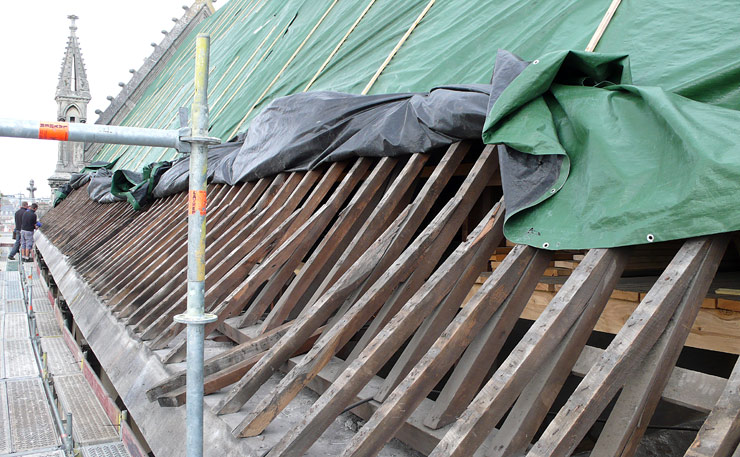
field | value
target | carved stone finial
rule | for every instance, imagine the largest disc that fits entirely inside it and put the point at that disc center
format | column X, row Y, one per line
column 31, row 190
column 72, row 26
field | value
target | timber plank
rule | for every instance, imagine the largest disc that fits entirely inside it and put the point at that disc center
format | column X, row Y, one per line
column 500, row 392
column 455, row 277
column 400, row 282
column 628, row 348
column 376, row 258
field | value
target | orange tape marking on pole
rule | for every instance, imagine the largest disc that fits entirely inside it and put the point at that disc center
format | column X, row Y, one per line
column 197, row 202
column 54, row 131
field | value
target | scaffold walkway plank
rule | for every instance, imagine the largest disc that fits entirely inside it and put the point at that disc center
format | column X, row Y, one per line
column 38, row 293
column 45, row 454
column 50, row 453
column 4, row 423
column 16, row 326
column 31, row 425
column 47, row 325
column 19, row 359
column 15, row 306
column 59, row 357
column 91, row 424
column 13, row 290
column 106, row 450
column 42, row 305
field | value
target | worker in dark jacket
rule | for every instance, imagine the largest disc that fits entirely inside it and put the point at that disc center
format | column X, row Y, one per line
column 17, row 231
column 28, row 225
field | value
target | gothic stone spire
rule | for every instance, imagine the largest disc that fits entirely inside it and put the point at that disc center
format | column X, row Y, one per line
column 73, row 78
column 72, row 96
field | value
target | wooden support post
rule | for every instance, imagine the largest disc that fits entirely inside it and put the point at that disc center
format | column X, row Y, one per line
column 598, row 267
column 454, row 277
column 627, row 349
column 426, row 250
column 640, row 395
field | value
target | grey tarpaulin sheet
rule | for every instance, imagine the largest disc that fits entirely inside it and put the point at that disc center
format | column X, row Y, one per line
column 302, row 131
column 100, row 186
column 175, row 179
column 524, row 177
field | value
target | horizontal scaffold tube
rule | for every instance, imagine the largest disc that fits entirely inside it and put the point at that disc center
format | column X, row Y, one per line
column 89, row 133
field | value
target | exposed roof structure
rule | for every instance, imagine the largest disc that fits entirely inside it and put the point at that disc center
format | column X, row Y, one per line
column 386, row 284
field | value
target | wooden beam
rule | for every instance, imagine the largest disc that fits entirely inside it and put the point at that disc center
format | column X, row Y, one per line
column 535, row 401
column 628, row 348
column 277, row 282
column 720, row 434
column 225, row 377
column 332, row 245
column 410, row 269
column 229, row 265
column 295, row 248
column 371, row 264
column 598, row 267
column 455, row 276
column 391, row 205
column 222, row 361
column 520, row 272
column 639, row 397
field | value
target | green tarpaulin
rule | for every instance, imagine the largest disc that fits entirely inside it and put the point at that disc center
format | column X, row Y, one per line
column 640, row 164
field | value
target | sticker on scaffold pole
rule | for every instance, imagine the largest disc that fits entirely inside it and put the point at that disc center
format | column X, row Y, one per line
column 54, row 131
column 197, row 202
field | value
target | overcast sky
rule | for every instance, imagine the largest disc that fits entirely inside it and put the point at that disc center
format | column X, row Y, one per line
column 113, row 36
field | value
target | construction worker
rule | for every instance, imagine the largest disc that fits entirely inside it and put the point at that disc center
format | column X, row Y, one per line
column 17, row 230
column 28, row 225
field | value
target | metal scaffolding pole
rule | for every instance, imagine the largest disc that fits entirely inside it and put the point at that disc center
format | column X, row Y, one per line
column 194, row 317
column 195, row 140
column 91, row 133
